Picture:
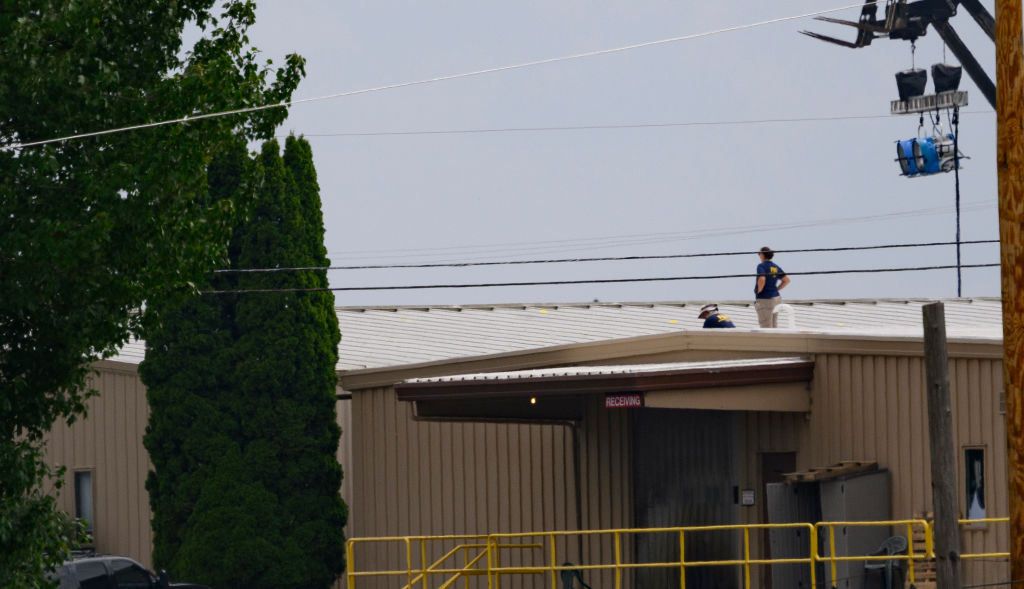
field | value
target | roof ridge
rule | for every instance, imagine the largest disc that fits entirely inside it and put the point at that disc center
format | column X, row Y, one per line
column 649, row 304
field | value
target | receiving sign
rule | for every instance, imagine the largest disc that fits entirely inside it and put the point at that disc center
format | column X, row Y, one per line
column 621, row 400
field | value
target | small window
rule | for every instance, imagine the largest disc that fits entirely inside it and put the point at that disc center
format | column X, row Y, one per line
column 974, row 465
column 83, row 497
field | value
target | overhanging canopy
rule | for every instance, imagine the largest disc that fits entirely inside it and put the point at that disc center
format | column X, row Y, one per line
column 761, row 384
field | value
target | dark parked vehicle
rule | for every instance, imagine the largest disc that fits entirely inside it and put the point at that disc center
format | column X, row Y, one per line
column 112, row 572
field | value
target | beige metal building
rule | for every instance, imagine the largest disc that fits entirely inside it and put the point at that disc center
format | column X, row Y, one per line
column 515, row 418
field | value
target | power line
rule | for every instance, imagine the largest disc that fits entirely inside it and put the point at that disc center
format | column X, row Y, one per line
column 196, row 117
column 598, row 259
column 596, row 281
column 610, row 127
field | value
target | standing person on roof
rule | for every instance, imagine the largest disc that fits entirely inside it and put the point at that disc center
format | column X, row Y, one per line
column 712, row 318
column 770, row 280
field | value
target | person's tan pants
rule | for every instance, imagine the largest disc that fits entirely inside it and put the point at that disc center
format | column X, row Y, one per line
column 764, row 308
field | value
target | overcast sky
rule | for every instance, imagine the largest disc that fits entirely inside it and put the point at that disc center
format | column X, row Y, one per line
column 721, row 143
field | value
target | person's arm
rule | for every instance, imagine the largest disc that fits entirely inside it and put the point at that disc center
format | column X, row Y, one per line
column 760, row 283
column 785, row 281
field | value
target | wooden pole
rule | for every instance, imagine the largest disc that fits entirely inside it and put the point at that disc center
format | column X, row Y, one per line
column 943, row 452
column 1010, row 167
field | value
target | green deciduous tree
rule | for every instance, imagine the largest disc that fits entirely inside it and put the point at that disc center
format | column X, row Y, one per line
column 92, row 228
column 241, row 389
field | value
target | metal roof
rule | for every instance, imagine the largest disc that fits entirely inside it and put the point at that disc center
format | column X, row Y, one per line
column 376, row 337
column 379, row 337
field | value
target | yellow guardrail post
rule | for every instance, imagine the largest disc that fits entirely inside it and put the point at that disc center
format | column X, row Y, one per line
column 832, row 552
column 408, row 561
column 490, row 562
column 814, row 554
column 910, row 550
column 554, row 562
column 746, row 558
column 497, row 565
column 423, row 562
column 929, row 539
column 618, row 561
column 350, row 563
column 682, row 559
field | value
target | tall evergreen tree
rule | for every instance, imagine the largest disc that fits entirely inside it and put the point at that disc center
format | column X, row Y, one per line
column 184, row 370
column 262, row 507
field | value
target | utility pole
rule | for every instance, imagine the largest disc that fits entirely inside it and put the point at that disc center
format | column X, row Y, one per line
column 1010, row 167
column 943, row 454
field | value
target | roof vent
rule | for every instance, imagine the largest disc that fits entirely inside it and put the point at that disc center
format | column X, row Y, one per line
column 790, row 316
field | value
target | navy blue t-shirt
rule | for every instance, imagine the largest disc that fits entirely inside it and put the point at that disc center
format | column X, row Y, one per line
column 772, row 275
column 718, row 320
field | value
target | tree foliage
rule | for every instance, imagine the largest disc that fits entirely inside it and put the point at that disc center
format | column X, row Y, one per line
column 243, row 433
column 92, row 228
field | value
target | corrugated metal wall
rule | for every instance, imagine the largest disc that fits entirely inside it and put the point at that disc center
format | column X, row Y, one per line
column 344, row 411
column 758, row 433
column 438, row 478
column 874, row 408
column 109, row 443
column 415, row 477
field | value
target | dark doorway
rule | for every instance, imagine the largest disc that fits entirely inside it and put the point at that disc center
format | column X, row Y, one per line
column 684, row 471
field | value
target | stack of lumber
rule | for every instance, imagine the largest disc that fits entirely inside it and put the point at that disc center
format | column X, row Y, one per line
column 924, row 569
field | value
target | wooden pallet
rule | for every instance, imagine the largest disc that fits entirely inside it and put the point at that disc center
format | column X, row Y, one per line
column 924, row 570
column 828, row 472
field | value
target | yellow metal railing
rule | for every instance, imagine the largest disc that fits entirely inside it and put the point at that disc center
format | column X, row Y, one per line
column 481, row 553
column 417, row 576
column 619, row 566
column 970, row 522
column 832, row 558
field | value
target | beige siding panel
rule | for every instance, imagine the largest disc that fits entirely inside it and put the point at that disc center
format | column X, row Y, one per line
column 979, row 424
column 768, row 397
column 760, row 432
column 344, row 411
column 881, row 415
column 343, row 408
column 108, row 442
column 875, row 408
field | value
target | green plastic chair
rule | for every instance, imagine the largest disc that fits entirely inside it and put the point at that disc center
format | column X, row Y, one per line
column 892, row 545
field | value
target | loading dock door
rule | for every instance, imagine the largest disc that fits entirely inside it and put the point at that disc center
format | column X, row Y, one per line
column 684, row 476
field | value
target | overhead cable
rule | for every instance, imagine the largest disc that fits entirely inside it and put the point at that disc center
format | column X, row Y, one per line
column 611, row 127
column 200, row 116
column 596, row 281
column 598, row 259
